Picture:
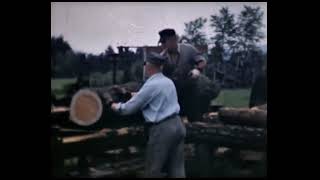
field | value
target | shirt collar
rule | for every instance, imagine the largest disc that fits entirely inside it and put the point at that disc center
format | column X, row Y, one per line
column 154, row 76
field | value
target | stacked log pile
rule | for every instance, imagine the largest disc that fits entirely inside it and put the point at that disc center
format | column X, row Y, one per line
column 229, row 127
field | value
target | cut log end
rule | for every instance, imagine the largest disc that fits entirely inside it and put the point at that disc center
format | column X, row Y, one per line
column 86, row 108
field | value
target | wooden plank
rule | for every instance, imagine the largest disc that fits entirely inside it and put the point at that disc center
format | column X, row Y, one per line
column 104, row 133
column 59, row 109
column 81, row 138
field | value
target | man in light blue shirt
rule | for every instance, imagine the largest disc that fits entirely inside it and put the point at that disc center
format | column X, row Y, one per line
column 157, row 99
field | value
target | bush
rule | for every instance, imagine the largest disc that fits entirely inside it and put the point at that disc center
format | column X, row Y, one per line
column 98, row 79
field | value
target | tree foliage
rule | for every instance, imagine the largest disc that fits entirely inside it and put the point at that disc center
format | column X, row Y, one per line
column 193, row 32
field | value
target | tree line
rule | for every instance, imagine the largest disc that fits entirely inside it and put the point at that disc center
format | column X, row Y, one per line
column 235, row 56
column 234, row 59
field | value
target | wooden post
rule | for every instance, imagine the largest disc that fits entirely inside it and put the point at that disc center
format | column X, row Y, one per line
column 204, row 154
column 144, row 62
column 57, row 159
column 83, row 165
column 214, row 72
column 114, row 70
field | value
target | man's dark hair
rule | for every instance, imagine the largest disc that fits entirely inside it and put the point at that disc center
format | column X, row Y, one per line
column 165, row 34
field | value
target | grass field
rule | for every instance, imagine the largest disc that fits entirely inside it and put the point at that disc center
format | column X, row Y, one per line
column 58, row 84
column 233, row 98
column 227, row 97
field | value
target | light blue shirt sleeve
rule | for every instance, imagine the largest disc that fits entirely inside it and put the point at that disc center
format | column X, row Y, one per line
column 157, row 99
column 137, row 102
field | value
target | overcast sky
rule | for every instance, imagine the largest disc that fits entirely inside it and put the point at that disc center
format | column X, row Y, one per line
column 91, row 27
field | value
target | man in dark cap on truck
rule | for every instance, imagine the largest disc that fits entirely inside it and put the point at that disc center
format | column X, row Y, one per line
column 157, row 99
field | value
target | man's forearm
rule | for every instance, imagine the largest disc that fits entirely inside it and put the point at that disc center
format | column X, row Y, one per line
column 126, row 108
column 135, row 103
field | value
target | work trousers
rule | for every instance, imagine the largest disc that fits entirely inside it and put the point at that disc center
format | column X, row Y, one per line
column 165, row 149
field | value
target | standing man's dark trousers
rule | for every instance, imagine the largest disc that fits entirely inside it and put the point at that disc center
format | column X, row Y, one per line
column 165, row 149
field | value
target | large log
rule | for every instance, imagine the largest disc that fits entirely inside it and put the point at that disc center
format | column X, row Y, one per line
column 92, row 104
column 86, row 107
column 256, row 116
column 232, row 136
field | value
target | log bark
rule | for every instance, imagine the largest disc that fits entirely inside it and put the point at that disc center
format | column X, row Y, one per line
column 232, row 136
column 256, row 117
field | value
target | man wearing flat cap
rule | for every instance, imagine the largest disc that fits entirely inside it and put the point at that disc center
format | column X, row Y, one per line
column 157, row 99
column 184, row 65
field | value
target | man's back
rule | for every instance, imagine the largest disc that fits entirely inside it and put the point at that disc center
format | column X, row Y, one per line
column 164, row 100
column 157, row 99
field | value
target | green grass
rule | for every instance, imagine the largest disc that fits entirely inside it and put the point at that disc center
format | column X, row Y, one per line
column 233, row 98
column 58, row 84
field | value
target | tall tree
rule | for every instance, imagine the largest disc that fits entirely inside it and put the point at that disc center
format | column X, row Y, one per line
column 248, row 35
column 193, row 32
column 249, row 28
column 225, row 32
column 58, row 44
column 59, row 47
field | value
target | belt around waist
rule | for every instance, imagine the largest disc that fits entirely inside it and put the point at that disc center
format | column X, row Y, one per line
column 156, row 123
